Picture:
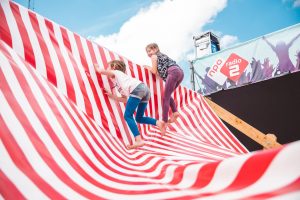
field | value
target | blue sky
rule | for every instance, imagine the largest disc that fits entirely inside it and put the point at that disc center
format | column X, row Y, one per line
column 127, row 26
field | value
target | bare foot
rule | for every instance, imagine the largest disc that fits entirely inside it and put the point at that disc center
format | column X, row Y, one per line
column 136, row 145
column 174, row 117
column 162, row 127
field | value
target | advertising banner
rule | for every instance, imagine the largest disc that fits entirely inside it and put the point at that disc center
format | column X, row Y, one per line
column 266, row 57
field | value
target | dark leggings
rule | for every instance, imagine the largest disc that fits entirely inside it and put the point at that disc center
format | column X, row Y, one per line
column 174, row 78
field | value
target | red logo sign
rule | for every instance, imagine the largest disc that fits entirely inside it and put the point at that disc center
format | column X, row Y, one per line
column 234, row 67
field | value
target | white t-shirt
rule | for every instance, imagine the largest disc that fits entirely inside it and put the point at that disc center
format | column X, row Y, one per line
column 125, row 84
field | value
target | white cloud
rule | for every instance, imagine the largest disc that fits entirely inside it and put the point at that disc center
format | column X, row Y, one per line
column 296, row 3
column 227, row 41
column 171, row 24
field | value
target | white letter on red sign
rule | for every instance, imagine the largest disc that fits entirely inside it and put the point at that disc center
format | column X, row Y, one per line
column 234, row 70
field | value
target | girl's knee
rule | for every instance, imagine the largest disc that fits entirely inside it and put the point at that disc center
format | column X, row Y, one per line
column 127, row 116
column 138, row 119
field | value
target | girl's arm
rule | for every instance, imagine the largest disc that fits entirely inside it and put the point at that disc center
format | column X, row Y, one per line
column 107, row 73
column 153, row 69
column 115, row 97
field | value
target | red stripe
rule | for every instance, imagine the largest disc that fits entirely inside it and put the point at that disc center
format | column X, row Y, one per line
column 106, row 98
column 197, row 113
column 28, row 50
column 147, row 81
column 194, row 119
column 38, row 144
column 8, row 190
column 239, row 147
column 250, row 172
column 87, row 103
column 4, row 29
column 213, row 121
column 157, row 96
column 42, row 149
column 104, row 119
column 121, row 116
column 205, row 175
column 289, row 188
column 18, row 156
column 63, row 66
column 51, row 76
column 101, row 135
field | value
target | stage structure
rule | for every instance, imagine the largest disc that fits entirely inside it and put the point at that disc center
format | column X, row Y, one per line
column 205, row 44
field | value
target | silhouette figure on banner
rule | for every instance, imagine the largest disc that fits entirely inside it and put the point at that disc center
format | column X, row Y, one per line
column 282, row 52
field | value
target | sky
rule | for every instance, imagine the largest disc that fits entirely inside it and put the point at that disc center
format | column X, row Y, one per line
column 126, row 27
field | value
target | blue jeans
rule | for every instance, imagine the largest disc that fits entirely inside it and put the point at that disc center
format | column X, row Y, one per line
column 138, row 99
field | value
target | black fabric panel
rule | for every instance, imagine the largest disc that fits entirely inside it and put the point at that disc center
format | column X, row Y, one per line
column 271, row 106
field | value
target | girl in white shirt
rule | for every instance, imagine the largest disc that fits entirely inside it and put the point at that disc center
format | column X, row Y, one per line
column 135, row 93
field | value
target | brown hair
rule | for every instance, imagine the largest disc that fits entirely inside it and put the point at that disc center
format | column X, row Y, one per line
column 152, row 46
column 117, row 65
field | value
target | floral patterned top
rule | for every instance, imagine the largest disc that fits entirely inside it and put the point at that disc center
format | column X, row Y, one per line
column 163, row 63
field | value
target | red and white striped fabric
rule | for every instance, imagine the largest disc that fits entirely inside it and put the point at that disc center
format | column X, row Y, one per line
column 62, row 138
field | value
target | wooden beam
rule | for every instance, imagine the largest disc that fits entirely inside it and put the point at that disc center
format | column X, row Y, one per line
column 267, row 141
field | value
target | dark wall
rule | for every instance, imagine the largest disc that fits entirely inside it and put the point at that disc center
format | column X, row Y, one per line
column 271, row 106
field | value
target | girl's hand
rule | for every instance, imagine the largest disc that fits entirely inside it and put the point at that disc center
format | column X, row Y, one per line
column 97, row 68
column 147, row 67
column 107, row 93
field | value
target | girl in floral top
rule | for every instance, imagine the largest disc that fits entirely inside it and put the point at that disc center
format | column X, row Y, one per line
column 172, row 74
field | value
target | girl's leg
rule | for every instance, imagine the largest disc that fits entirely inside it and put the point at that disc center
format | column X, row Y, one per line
column 141, row 110
column 131, row 106
column 174, row 78
column 170, row 86
column 172, row 102
column 147, row 120
column 140, row 118
column 138, row 143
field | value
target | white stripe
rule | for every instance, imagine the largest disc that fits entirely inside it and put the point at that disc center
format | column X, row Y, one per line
column 283, row 170
column 29, row 150
column 96, row 112
column 19, row 179
column 119, row 116
column 158, row 108
column 60, row 79
column 99, row 91
column 35, row 158
column 290, row 196
column 183, row 115
column 68, row 146
column 208, row 118
column 95, row 133
column 76, row 55
column 167, row 194
column 51, row 118
column 175, row 139
column 205, row 131
column 225, row 173
column 224, row 135
column 36, row 49
column 192, row 111
column 17, row 43
column 182, row 150
column 70, row 68
column 190, row 176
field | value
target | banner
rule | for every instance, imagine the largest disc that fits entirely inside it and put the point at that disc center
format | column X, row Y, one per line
column 259, row 59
